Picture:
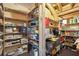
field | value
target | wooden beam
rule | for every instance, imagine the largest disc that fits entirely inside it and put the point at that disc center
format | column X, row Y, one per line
column 67, row 7
column 52, row 11
column 59, row 6
column 42, row 42
column 68, row 11
column 54, row 5
column 70, row 15
column 73, row 4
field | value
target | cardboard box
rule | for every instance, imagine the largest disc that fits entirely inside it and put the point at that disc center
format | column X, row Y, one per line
column 24, row 40
column 9, row 36
column 8, row 44
column 9, row 30
column 17, row 36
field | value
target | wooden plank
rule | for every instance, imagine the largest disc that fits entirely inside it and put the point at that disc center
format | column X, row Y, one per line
column 67, row 7
column 70, row 15
column 16, row 16
column 53, row 11
column 76, row 5
column 59, row 6
column 54, row 5
column 12, row 10
column 69, row 11
column 42, row 47
column 15, row 8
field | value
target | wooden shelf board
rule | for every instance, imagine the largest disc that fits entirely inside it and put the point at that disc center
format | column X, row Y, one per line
column 13, row 46
column 8, row 40
column 12, row 10
column 15, row 26
column 77, row 24
column 71, row 36
column 7, row 18
column 71, row 30
column 13, row 33
column 10, row 33
column 34, row 40
column 52, row 27
column 1, row 25
column 16, row 45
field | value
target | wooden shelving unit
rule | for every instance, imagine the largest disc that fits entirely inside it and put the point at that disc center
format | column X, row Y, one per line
column 33, row 26
column 53, row 25
column 24, row 35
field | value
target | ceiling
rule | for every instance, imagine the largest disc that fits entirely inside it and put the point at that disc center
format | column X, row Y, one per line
column 29, row 6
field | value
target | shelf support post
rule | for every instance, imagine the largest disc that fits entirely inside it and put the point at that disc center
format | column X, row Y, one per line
column 42, row 47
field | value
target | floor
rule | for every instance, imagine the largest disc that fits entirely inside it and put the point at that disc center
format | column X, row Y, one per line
column 68, row 52
column 24, row 54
